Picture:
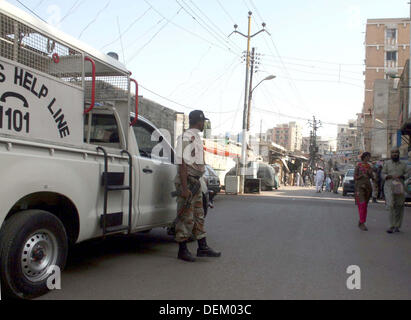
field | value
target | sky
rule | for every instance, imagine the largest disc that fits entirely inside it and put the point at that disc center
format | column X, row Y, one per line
column 181, row 55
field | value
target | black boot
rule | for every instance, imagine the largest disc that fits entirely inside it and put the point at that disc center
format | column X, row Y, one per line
column 205, row 251
column 391, row 230
column 184, row 253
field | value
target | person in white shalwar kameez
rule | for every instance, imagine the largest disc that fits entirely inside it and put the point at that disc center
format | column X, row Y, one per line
column 319, row 179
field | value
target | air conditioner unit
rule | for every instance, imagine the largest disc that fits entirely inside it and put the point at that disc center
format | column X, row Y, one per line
column 232, row 184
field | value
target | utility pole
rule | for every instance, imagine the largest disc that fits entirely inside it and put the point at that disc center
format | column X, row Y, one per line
column 313, row 142
column 250, row 90
column 243, row 160
column 259, row 140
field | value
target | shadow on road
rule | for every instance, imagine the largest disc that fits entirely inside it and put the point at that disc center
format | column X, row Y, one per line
column 91, row 252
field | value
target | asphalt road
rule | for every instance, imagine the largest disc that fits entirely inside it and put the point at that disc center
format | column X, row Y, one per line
column 288, row 244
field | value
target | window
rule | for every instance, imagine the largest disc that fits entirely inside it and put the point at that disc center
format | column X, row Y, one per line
column 104, row 130
column 392, row 33
column 391, row 55
column 150, row 144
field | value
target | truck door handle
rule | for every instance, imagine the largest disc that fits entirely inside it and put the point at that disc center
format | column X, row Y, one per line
column 147, row 170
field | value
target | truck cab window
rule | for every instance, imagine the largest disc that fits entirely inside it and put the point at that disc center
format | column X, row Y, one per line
column 104, row 130
column 147, row 142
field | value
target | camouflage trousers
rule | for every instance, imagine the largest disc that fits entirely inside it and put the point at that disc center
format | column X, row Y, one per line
column 190, row 221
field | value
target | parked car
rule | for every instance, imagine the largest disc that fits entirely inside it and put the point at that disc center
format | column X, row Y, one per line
column 212, row 179
column 348, row 182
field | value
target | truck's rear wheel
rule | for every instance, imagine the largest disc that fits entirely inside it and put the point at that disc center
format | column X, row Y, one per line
column 31, row 242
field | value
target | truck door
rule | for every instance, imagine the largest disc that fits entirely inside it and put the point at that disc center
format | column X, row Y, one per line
column 157, row 173
column 105, row 132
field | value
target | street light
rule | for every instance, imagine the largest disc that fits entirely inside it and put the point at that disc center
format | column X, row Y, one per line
column 270, row 77
column 244, row 142
column 250, row 97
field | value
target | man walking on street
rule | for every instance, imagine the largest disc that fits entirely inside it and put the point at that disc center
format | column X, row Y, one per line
column 395, row 172
column 319, row 180
column 336, row 181
column 190, row 212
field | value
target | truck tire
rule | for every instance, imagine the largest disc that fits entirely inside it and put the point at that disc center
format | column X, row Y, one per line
column 31, row 242
column 344, row 193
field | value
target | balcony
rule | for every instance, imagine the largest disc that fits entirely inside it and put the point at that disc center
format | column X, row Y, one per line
column 391, row 44
column 391, row 66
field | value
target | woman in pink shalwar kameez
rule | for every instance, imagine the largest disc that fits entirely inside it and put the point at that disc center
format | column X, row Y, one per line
column 363, row 190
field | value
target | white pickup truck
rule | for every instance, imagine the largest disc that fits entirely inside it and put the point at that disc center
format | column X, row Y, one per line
column 76, row 160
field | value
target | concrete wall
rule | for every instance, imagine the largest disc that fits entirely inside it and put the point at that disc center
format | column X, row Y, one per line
column 385, row 118
column 163, row 117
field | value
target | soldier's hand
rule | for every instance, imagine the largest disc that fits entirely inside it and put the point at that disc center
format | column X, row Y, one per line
column 186, row 193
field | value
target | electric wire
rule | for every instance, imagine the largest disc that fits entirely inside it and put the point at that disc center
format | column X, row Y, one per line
column 127, row 29
column 311, row 66
column 214, row 82
column 192, row 33
column 180, row 104
column 225, row 11
column 73, row 9
column 38, row 4
column 203, row 24
column 153, row 37
column 324, row 80
column 321, row 61
column 224, row 36
column 32, row 11
column 95, row 18
column 196, row 66
column 322, row 122
column 318, row 73
column 289, row 78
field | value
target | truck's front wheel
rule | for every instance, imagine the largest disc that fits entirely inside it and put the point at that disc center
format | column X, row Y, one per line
column 32, row 243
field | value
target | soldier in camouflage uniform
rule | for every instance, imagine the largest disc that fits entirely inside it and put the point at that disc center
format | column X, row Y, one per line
column 190, row 212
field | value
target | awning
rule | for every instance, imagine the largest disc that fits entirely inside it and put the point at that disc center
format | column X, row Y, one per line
column 299, row 158
column 222, row 153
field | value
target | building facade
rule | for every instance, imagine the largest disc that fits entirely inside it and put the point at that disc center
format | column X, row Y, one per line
column 404, row 117
column 288, row 136
column 326, row 146
column 347, row 142
column 384, row 132
column 387, row 47
column 305, row 146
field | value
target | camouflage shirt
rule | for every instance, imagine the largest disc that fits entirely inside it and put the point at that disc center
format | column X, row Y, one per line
column 190, row 149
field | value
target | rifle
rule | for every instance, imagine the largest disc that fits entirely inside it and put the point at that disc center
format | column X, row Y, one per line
column 194, row 188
